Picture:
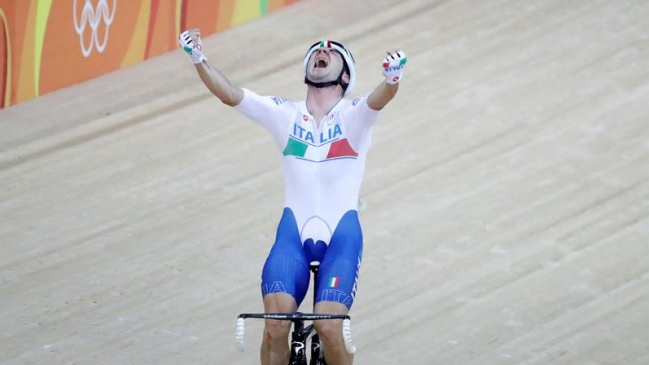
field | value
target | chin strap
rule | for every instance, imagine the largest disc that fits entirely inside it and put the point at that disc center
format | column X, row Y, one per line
column 338, row 81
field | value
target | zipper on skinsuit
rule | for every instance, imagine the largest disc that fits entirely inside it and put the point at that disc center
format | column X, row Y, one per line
column 317, row 165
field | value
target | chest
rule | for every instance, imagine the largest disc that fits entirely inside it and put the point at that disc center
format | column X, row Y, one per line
column 318, row 142
column 306, row 129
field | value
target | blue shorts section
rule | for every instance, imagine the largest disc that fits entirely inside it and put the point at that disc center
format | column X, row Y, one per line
column 287, row 267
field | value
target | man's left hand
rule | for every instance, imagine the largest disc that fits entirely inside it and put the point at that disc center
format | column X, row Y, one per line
column 393, row 66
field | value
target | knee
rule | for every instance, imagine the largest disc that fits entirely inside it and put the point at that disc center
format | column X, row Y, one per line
column 329, row 331
column 275, row 331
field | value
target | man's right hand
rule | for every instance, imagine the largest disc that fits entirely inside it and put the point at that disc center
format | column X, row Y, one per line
column 191, row 42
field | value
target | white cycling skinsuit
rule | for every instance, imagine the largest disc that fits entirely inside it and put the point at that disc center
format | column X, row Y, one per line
column 323, row 167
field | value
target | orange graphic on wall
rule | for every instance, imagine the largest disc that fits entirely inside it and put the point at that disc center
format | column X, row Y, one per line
column 49, row 44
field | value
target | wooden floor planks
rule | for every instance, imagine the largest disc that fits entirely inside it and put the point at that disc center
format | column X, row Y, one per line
column 507, row 193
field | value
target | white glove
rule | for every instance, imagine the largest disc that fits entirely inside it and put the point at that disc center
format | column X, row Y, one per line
column 191, row 42
column 393, row 66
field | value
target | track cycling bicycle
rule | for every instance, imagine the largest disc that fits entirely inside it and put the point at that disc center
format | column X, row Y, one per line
column 303, row 336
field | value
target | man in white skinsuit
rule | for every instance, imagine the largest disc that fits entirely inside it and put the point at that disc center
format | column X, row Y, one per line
column 323, row 142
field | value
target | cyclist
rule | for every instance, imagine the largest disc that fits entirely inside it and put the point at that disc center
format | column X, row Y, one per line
column 323, row 141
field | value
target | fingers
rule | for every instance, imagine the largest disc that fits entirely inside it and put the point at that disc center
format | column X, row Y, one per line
column 394, row 55
column 186, row 39
column 396, row 51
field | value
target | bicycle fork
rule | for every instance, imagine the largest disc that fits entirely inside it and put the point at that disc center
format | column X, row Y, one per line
column 299, row 338
column 298, row 346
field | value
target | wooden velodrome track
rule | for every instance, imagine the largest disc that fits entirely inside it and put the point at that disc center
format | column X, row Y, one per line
column 507, row 193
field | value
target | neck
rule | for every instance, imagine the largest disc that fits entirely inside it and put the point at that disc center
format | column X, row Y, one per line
column 320, row 100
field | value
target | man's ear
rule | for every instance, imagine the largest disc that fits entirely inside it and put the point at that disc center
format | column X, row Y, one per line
column 346, row 78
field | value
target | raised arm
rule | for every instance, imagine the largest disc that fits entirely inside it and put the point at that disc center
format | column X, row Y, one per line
column 214, row 79
column 219, row 85
column 393, row 66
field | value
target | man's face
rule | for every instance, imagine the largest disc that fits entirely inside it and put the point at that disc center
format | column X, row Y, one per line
column 324, row 65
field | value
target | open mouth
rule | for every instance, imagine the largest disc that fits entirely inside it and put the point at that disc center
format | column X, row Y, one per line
column 321, row 63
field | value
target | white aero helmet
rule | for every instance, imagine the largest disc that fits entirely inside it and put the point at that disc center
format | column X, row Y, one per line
column 350, row 65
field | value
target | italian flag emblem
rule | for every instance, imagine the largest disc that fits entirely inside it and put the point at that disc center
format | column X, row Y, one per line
column 338, row 149
column 333, row 282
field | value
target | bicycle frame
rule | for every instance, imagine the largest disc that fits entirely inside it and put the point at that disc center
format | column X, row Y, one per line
column 301, row 333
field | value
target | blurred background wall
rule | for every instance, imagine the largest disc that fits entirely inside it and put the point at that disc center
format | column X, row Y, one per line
column 49, row 44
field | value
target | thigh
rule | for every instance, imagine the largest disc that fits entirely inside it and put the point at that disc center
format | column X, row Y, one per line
column 286, row 270
column 338, row 273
